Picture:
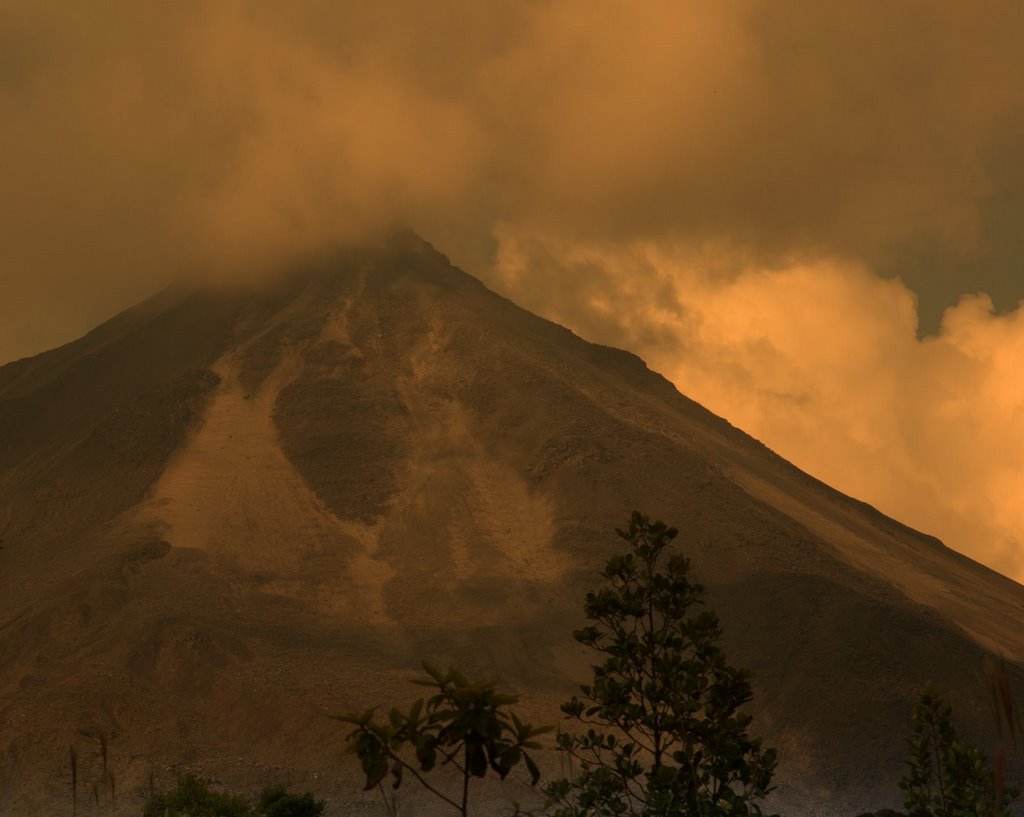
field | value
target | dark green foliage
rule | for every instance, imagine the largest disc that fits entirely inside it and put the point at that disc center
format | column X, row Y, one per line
column 466, row 726
column 193, row 797
column 661, row 731
column 277, row 801
column 947, row 777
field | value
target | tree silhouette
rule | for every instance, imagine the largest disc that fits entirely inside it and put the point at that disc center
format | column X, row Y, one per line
column 661, row 731
column 947, row 777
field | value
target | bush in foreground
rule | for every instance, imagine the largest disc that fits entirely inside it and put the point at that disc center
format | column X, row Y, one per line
column 277, row 801
column 193, row 797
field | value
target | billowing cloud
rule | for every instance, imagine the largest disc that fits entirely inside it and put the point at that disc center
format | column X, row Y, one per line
column 820, row 360
column 823, row 150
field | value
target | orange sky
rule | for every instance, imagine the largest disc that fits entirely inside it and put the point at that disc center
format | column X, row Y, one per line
column 761, row 198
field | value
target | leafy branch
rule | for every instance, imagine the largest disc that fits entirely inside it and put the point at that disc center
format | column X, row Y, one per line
column 467, row 727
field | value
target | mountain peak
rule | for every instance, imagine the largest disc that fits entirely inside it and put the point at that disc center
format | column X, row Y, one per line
column 228, row 511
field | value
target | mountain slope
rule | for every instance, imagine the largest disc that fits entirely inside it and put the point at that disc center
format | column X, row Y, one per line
column 227, row 513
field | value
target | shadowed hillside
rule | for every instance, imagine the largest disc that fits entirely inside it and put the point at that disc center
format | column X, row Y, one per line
column 227, row 513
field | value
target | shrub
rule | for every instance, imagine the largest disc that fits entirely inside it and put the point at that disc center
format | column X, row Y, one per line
column 276, row 801
column 192, row 797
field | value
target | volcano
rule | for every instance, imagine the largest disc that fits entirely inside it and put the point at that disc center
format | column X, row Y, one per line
column 231, row 511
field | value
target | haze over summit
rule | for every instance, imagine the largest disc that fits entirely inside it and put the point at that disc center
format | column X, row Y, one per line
column 789, row 208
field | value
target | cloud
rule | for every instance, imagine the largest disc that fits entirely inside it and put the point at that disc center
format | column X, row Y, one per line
column 829, row 150
column 821, row 360
column 141, row 140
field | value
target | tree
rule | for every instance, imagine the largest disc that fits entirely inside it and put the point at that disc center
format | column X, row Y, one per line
column 663, row 734
column 466, row 727
column 947, row 777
